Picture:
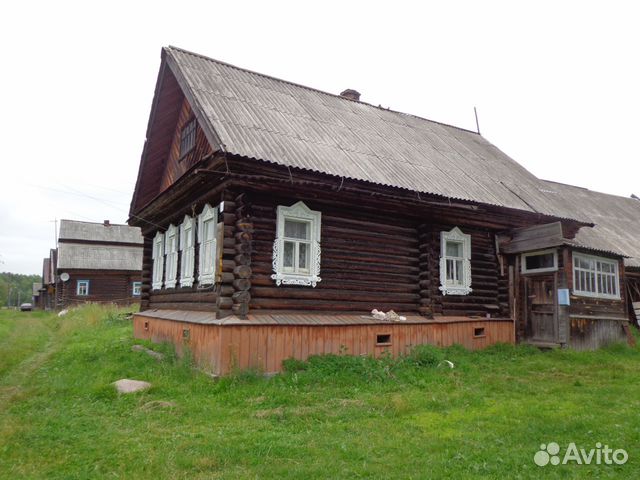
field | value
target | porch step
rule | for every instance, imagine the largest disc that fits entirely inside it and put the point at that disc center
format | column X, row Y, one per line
column 541, row 344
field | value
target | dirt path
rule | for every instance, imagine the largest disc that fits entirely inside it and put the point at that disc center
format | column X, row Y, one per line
column 26, row 342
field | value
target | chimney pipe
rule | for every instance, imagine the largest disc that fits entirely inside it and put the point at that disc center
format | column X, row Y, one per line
column 351, row 94
column 106, row 223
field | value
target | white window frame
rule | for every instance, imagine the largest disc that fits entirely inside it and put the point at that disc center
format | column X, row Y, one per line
column 595, row 259
column 207, row 247
column 464, row 287
column 524, row 256
column 187, row 251
column 171, row 254
column 297, row 212
column 158, row 261
column 80, row 283
column 136, row 289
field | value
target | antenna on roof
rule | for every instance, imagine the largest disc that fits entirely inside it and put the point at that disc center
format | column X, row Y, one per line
column 475, row 111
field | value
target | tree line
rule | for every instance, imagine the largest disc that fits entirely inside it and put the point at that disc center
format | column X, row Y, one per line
column 16, row 288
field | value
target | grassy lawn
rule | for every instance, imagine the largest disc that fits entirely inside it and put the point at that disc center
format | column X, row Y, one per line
column 334, row 417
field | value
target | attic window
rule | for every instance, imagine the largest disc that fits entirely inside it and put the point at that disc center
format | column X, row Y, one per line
column 187, row 138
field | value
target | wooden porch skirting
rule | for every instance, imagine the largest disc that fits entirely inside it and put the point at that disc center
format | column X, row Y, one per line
column 264, row 341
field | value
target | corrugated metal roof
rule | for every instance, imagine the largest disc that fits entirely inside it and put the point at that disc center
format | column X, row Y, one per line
column 617, row 219
column 98, row 232
column 98, row 257
column 261, row 117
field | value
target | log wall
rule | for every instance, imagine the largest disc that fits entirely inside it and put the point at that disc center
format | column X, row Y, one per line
column 222, row 348
column 368, row 261
column 104, row 287
column 486, row 297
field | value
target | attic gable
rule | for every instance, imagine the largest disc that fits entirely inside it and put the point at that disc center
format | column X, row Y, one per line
column 161, row 163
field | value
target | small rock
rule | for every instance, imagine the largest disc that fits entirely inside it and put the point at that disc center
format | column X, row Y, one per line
column 139, row 348
column 126, row 385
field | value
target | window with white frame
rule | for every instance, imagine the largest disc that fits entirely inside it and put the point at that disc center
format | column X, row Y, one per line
column 136, row 289
column 171, row 254
column 296, row 249
column 82, row 288
column 207, row 264
column 157, row 255
column 187, row 251
column 455, row 262
column 539, row 262
column 595, row 276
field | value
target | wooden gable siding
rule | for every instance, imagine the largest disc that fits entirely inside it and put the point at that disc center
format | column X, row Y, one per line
column 104, row 287
column 368, row 261
column 168, row 102
column 175, row 165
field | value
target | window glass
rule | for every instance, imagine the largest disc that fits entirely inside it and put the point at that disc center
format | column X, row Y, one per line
column 454, row 249
column 535, row 262
column 295, row 229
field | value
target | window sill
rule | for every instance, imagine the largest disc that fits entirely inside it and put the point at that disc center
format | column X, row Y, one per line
column 595, row 296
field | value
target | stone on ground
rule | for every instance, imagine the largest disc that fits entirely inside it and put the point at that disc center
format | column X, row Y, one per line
column 126, row 385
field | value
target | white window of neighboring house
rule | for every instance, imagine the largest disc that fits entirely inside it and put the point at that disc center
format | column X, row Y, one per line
column 455, row 263
column 187, row 251
column 82, row 288
column 137, row 289
column 538, row 262
column 158, row 261
column 595, row 276
column 296, row 249
column 208, row 262
column 171, row 260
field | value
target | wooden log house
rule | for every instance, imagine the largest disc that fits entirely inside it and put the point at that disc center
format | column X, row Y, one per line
column 97, row 263
column 276, row 217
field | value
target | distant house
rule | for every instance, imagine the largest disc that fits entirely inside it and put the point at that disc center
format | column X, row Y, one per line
column 35, row 294
column 276, row 217
column 47, row 293
column 97, row 262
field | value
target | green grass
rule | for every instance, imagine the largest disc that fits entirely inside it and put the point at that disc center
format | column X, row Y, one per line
column 332, row 417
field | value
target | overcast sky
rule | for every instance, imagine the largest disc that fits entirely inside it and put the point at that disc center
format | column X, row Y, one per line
column 556, row 85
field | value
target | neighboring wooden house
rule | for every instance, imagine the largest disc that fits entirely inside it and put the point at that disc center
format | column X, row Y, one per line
column 276, row 217
column 47, row 296
column 98, row 262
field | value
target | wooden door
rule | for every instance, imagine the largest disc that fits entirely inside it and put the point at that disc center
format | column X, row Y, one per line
column 541, row 308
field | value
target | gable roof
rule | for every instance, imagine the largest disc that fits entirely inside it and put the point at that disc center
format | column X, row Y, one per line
column 98, row 257
column 95, row 246
column 616, row 219
column 99, row 232
column 261, row 117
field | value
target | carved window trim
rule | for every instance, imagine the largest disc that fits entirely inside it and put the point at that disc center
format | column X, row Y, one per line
column 208, row 260
column 158, row 261
column 171, row 253
column 464, row 286
column 297, row 212
column 187, row 251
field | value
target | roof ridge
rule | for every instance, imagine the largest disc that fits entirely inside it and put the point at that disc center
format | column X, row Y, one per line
column 289, row 82
column 97, row 223
column 587, row 189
